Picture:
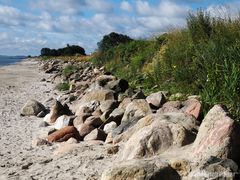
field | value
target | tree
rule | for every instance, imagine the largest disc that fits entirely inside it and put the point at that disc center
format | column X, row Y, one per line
column 66, row 51
column 45, row 51
column 111, row 40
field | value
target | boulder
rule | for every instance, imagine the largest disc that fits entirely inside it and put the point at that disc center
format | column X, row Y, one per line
column 108, row 105
column 139, row 95
column 32, row 108
column 104, row 79
column 171, row 130
column 145, row 121
column 124, row 126
column 138, row 108
column 89, row 107
column 192, row 107
column 64, row 121
column 99, row 95
column 80, row 119
column 116, row 115
column 97, row 112
column 96, row 134
column 118, row 86
column 170, row 106
column 93, row 121
column 123, row 105
column 109, row 127
column 218, row 136
column 64, row 134
column 140, row 169
column 104, row 117
column 84, row 129
column 215, row 168
column 58, row 110
column 156, row 99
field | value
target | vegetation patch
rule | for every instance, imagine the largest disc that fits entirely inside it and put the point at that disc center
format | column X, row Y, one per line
column 203, row 59
column 63, row 87
column 69, row 70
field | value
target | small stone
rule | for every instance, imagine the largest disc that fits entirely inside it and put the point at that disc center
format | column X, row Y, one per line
column 39, row 142
column 109, row 127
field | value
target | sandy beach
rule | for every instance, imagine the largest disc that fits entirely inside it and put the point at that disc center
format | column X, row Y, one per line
column 18, row 159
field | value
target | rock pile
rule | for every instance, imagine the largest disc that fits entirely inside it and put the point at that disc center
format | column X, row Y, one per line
column 153, row 137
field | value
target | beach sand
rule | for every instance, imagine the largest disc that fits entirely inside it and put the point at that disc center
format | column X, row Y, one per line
column 18, row 159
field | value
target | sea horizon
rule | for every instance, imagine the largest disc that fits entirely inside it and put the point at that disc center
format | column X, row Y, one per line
column 8, row 60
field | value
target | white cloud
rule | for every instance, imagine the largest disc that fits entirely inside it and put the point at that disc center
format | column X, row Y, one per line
column 99, row 6
column 10, row 16
column 143, row 8
column 164, row 9
column 62, row 22
column 126, row 6
column 231, row 9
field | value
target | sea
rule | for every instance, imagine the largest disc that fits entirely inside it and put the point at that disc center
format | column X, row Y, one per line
column 8, row 60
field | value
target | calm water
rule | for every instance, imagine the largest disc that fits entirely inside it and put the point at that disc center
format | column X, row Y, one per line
column 7, row 60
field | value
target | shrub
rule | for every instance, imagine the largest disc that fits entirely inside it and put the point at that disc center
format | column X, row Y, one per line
column 69, row 70
column 63, row 87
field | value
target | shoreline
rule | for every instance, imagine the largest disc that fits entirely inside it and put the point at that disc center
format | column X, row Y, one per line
column 19, row 159
column 151, row 135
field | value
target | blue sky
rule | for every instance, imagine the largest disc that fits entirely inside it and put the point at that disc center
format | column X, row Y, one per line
column 28, row 25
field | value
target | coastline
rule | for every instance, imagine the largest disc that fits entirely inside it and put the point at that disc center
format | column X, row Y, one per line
column 28, row 149
column 19, row 159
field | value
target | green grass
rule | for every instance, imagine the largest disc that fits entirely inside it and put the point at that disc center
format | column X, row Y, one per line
column 63, row 87
column 69, row 70
column 203, row 59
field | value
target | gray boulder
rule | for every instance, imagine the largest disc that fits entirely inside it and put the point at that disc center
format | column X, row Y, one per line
column 32, row 108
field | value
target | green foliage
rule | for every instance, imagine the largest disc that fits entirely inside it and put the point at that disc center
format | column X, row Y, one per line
column 204, row 59
column 63, row 87
column 66, row 51
column 111, row 40
column 69, row 70
column 201, row 59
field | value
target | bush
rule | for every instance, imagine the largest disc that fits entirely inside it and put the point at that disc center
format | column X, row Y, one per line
column 63, row 87
column 69, row 70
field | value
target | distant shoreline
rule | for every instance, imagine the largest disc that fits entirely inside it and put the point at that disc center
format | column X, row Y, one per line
column 11, row 60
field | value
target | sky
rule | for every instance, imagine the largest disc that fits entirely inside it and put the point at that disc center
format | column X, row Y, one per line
column 26, row 26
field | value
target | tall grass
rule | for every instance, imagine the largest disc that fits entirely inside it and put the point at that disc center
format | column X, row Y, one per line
column 202, row 58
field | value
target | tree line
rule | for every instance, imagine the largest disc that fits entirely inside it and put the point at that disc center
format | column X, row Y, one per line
column 69, row 50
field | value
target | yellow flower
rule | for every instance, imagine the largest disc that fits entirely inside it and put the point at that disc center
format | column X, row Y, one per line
column 174, row 66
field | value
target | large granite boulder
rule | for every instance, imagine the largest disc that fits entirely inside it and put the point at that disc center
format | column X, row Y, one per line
column 32, row 108
column 214, row 168
column 138, row 108
column 158, row 137
column 140, row 170
column 218, row 136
